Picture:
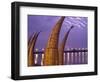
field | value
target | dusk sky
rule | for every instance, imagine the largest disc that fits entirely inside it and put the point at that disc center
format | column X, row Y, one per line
column 76, row 39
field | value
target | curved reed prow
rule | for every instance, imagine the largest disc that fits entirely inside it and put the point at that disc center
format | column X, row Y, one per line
column 51, row 51
column 31, row 46
column 62, row 46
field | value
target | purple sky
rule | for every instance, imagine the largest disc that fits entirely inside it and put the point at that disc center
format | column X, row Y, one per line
column 77, row 37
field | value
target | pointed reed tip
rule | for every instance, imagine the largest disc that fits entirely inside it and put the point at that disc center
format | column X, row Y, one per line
column 72, row 26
